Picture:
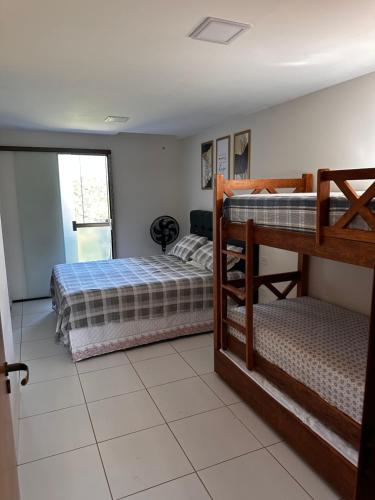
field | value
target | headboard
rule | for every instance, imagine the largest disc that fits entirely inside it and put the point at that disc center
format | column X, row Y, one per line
column 201, row 224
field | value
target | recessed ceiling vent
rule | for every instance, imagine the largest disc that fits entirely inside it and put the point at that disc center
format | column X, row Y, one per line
column 117, row 119
column 217, row 30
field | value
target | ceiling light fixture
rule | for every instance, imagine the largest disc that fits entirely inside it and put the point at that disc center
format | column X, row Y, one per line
column 217, row 30
column 117, row 119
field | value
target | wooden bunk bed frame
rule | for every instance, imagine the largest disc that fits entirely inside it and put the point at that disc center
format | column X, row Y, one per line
column 335, row 242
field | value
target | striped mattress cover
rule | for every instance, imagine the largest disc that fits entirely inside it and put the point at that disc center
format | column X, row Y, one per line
column 91, row 294
column 321, row 345
column 293, row 211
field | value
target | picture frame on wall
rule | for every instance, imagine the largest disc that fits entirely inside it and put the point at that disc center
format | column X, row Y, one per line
column 207, row 164
column 241, row 155
column 223, row 156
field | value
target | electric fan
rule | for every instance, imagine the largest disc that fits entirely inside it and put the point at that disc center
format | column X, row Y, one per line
column 164, row 231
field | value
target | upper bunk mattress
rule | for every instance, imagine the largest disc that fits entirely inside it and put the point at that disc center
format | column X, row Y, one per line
column 319, row 344
column 293, row 211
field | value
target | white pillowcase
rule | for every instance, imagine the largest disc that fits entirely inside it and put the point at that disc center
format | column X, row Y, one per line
column 204, row 256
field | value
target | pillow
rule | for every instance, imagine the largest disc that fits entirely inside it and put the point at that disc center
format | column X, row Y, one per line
column 205, row 258
column 187, row 245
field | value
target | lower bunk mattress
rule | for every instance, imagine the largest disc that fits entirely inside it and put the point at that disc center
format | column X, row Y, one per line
column 321, row 345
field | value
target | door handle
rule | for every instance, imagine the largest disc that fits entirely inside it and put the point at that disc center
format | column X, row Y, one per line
column 17, row 367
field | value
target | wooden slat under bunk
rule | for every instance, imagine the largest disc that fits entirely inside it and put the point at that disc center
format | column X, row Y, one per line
column 337, row 242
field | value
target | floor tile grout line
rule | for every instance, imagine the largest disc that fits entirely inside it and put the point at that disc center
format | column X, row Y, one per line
column 198, row 374
column 131, row 433
column 170, row 430
column 213, row 390
column 121, row 395
column 79, row 374
column 172, row 381
column 289, row 473
column 52, row 411
column 99, row 369
column 183, row 359
column 40, row 357
column 166, row 423
column 246, row 427
column 96, row 441
column 195, row 348
column 49, row 379
column 55, row 454
column 154, row 357
column 115, row 396
column 195, row 414
column 229, row 459
column 226, row 406
column 160, row 484
column 229, row 406
column 88, row 403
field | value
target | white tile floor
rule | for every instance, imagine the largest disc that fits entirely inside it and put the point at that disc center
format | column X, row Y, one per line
column 152, row 423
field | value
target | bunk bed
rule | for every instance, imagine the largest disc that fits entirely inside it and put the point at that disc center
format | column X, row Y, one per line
column 306, row 366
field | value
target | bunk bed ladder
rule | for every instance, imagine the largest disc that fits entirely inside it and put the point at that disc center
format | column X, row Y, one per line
column 241, row 291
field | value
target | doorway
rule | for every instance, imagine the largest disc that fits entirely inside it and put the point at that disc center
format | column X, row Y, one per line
column 85, row 207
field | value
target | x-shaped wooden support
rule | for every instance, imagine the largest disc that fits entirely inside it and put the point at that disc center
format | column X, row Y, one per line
column 358, row 205
column 284, row 293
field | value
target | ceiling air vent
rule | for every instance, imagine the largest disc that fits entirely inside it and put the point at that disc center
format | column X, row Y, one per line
column 217, row 30
column 117, row 119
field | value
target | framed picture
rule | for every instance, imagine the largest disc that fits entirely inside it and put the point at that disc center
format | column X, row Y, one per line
column 241, row 155
column 207, row 164
column 223, row 156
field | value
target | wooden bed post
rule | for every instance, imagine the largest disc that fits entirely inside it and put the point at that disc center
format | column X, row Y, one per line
column 303, row 269
column 303, row 259
column 249, row 291
column 366, row 464
column 218, row 207
column 322, row 205
column 308, row 182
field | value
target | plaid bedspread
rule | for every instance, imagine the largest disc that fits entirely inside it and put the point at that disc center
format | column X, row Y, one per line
column 296, row 212
column 97, row 293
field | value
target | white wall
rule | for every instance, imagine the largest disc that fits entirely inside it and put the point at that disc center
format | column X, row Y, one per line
column 11, row 226
column 333, row 128
column 146, row 180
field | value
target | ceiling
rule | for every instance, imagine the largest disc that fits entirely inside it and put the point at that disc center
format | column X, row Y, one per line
column 65, row 65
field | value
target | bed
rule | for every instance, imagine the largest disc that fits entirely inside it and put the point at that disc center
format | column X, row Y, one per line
column 306, row 366
column 321, row 345
column 105, row 306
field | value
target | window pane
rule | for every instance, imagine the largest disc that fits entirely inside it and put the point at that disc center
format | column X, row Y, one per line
column 94, row 243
